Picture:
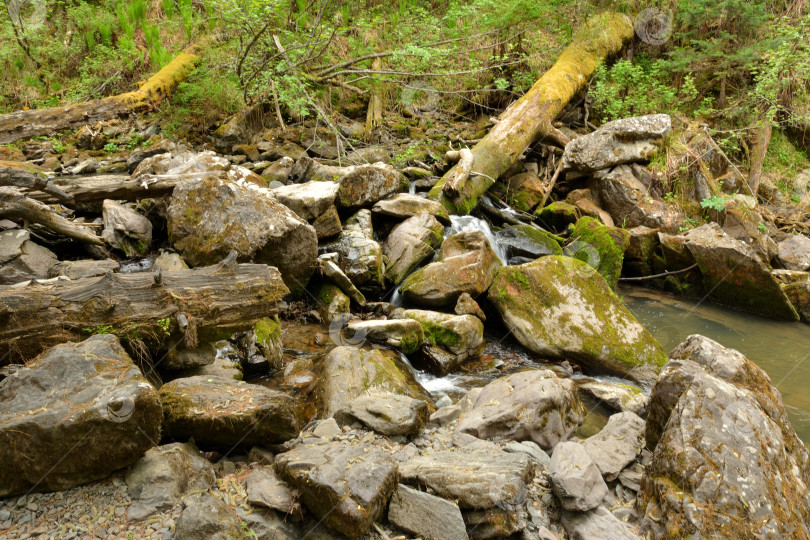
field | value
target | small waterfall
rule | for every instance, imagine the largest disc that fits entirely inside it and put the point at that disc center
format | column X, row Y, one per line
column 412, row 187
column 470, row 223
column 396, row 298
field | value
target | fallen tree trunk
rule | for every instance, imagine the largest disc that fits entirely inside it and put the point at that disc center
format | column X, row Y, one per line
column 529, row 119
column 455, row 179
column 25, row 124
column 203, row 305
column 29, row 177
column 15, row 205
column 118, row 187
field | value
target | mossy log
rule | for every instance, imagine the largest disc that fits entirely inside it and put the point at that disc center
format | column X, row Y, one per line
column 183, row 307
column 31, row 123
column 529, row 119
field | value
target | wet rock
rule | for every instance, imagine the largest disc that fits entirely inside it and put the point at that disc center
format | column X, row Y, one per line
column 332, row 303
column 182, row 357
column 799, row 295
column 597, row 523
column 167, row 262
column 269, row 524
column 527, row 241
column 466, row 263
column 83, row 268
column 126, row 229
column 404, row 334
column 265, row 489
column 794, row 253
column 629, row 203
column 621, row 141
column 558, row 215
column 531, row 405
column 206, row 517
column 334, row 274
column 220, row 367
column 369, row 184
column 388, row 414
column 349, row 372
column 575, row 478
column 163, row 475
column 559, row 307
column 725, row 455
column 278, row 171
column 225, row 412
column 410, row 243
column 474, row 478
column 600, row 246
column 467, row 306
column 405, row 205
column 209, row 217
column 618, row 396
column 346, row 486
column 640, row 251
column 735, row 276
column 268, row 340
column 359, row 255
column 425, row 515
column 523, row 191
column 21, row 259
column 48, row 408
column 461, row 335
column 617, row 444
column 308, row 200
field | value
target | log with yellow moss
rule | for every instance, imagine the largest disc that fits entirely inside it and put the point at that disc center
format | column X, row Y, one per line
column 529, row 119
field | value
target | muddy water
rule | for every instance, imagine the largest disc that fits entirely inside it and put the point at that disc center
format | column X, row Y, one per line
column 781, row 349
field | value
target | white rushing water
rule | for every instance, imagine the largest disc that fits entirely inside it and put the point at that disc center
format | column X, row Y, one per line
column 470, row 223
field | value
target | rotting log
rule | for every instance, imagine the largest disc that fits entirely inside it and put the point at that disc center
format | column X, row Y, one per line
column 455, row 179
column 27, row 176
column 118, row 187
column 530, row 118
column 181, row 307
column 31, row 123
column 15, row 205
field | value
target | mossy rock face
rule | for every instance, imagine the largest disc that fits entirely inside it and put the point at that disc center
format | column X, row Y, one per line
column 268, row 337
column 219, row 412
column 559, row 307
column 799, row 295
column 523, row 191
column 404, row 334
column 527, row 241
column 369, row 184
column 600, row 246
column 558, row 215
column 462, row 335
column 349, row 372
column 410, row 243
column 332, row 302
column 51, row 405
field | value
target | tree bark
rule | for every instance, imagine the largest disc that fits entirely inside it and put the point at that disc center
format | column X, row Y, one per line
column 760, row 141
column 529, row 119
column 28, row 177
column 117, row 187
column 453, row 182
column 25, row 124
column 17, row 206
column 374, row 112
column 193, row 306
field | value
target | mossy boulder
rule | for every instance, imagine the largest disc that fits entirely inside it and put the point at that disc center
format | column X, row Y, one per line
column 405, row 205
column 268, row 338
column 410, row 243
column 558, row 308
column 799, row 295
column 74, row 415
column 638, row 257
column 528, row 242
column 368, row 184
column 462, row 335
column 220, row 413
column 558, row 215
column 404, row 334
column 466, row 263
column 600, row 246
column 332, row 302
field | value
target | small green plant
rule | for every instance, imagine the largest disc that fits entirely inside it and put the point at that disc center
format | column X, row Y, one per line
column 688, row 223
column 58, row 147
column 762, row 228
column 165, row 324
column 795, row 198
column 111, row 148
column 100, row 329
column 669, row 197
column 715, row 202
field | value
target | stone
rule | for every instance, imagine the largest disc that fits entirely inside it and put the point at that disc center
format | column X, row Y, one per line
column 83, row 268
column 126, row 229
column 618, row 396
column 405, row 205
column 21, row 259
column 86, row 166
column 495, row 522
column 425, row 515
column 794, row 253
column 617, row 444
column 531, row 449
column 557, row 216
column 349, row 372
column 474, row 478
column 269, row 524
column 265, row 489
column 444, row 415
column 461, row 335
column 327, row 224
column 182, row 357
column 522, row 191
column 327, row 428
column 333, row 304
column 559, row 307
column 158, row 481
column 141, row 153
column 575, row 478
column 533, row 405
column 620, row 141
column 596, row 524
column 388, row 414
column 404, row 334
column 630, row 204
column 799, row 295
column 638, row 257
column 224, row 412
column 73, row 415
column 209, row 217
column 725, row 456
column 220, row 367
column 600, row 246
column 206, row 517
column 359, row 255
column 466, row 263
column 168, row 262
column 410, row 243
column 308, row 200
column 334, row 274
column 368, row 184
column 735, row 276
column 465, row 305
column 527, row 241
column 346, row 486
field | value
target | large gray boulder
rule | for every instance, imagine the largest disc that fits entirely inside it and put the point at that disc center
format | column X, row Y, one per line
column 73, row 415
column 559, row 307
column 368, row 184
column 466, row 263
column 346, row 486
column 531, row 405
column 617, row 444
column 575, row 478
column 725, row 455
column 308, row 200
column 209, row 216
column 794, row 253
column 735, row 276
column 388, row 414
column 426, row 515
column 224, row 412
column 596, row 524
column 21, row 259
column 359, row 255
column 621, row 141
column 405, row 205
column 630, row 204
column 410, row 243
column 126, row 229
